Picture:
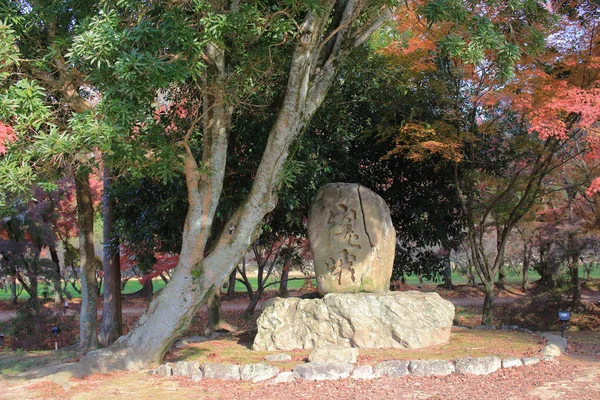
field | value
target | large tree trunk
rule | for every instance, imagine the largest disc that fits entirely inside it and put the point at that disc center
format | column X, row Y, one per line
column 88, row 337
column 488, row 304
column 216, row 320
column 12, row 283
column 58, row 298
column 575, row 281
column 231, row 284
column 501, row 284
column 526, row 262
column 111, row 326
column 197, row 276
column 285, row 275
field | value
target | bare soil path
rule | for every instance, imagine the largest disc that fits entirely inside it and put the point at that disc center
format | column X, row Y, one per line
column 466, row 301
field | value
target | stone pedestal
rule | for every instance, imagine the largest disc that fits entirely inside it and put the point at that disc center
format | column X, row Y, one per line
column 363, row 320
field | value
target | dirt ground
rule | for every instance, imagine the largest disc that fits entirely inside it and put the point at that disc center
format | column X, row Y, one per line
column 573, row 376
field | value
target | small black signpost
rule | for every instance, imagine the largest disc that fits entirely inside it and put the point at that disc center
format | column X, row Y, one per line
column 564, row 317
column 55, row 332
column 1, row 339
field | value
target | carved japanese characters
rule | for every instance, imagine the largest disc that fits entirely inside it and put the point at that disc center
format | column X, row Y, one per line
column 352, row 239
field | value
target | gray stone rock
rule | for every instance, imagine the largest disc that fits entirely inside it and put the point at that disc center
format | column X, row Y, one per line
column 257, row 372
column 196, row 378
column 559, row 343
column 511, row 362
column 185, row 368
column 430, row 367
column 285, row 377
column 323, row 371
column 180, row 344
column 362, row 320
column 391, row 369
column 333, row 354
column 278, row 357
column 548, row 359
column 363, row 372
column 164, row 370
column 551, row 350
column 221, row 371
column 478, row 366
column 530, row 360
column 352, row 239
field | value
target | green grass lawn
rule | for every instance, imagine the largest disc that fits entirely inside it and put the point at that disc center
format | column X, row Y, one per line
column 133, row 285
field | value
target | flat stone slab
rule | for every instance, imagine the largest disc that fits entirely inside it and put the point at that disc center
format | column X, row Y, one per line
column 363, row 372
column 391, row 369
column 478, row 366
column 186, row 368
column 431, row 367
column 284, row 377
column 511, row 362
column 257, row 372
column 530, row 360
column 221, row 371
column 323, row 371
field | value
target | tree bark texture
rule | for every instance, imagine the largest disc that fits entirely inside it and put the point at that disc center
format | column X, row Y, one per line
column 58, row 298
column 111, row 326
column 88, row 337
column 198, row 276
column 216, row 320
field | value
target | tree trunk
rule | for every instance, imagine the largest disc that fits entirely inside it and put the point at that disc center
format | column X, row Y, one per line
column 488, row 304
column 448, row 274
column 575, row 282
column 526, row 262
column 88, row 337
column 285, row 275
column 231, row 284
column 216, row 321
column 12, row 283
column 111, row 326
column 501, row 284
column 313, row 68
column 58, row 298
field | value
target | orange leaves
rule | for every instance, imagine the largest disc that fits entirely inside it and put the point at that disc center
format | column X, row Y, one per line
column 419, row 141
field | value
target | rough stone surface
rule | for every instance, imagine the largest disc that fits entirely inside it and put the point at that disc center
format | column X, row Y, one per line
column 363, row 372
column 511, row 362
column 391, row 369
column 478, row 366
column 285, row 377
column 278, row 357
column 430, row 367
column 221, row 371
column 352, row 239
column 323, row 371
column 257, row 372
column 363, row 320
column 184, row 368
column 555, row 340
column 530, row 360
column 551, row 350
column 164, row 370
column 196, row 378
column 334, row 354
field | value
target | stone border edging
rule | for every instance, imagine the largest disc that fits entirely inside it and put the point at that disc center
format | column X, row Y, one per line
column 260, row 372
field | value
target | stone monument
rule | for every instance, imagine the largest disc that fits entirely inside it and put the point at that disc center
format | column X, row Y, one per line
column 352, row 239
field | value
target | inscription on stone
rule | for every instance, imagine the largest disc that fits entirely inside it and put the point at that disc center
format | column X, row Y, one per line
column 351, row 238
